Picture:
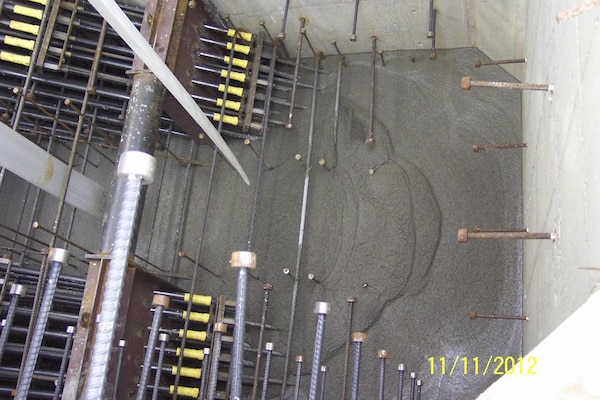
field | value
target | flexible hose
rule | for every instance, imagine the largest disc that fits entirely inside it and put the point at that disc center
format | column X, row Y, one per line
column 113, row 289
column 38, row 332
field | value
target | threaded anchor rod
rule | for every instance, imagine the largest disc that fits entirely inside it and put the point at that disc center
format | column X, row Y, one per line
column 464, row 235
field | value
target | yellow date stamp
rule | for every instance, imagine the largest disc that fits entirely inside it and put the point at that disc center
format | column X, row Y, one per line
column 492, row 365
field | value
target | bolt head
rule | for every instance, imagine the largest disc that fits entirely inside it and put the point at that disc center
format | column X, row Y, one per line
column 465, row 83
column 463, row 235
column 476, row 148
column 477, row 63
column 353, row 38
column 472, row 314
column 432, row 55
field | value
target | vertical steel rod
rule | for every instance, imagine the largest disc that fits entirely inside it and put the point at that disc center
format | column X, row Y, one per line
column 298, row 360
column 353, row 35
column 281, row 35
column 413, row 381
column 64, row 362
column 370, row 137
column 219, row 329
column 163, row 338
column 267, row 287
column 56, row 257
column 401, row 369
column 122, row 344
column 432, row 55
column 383, row 355
column 269, row 350
column 203, row 377
column 159, row 302
column 304, row 208
column 16, row 291
column 358, row 338
column 351, row 301
column 321, row 309
column 323, row 377
column 290, row 125
column 419, row 385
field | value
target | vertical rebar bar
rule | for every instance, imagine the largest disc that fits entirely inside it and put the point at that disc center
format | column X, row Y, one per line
column 321, row 309
column 370, row 134
column 290, row 125
column 298, row 360
column 358, row 338
column 56, row 257
column 353, row 35
column 137, row 168
column 419, row 384
column 219, row 329
column 159, row 302
column 64, row 362
column 401, row 369
column 413, row 380
column 269, row 350
column 205, row 369
column 16, row 291
column 163, row 338
column 281, row 35
column 323, row 378
column 242, row 260
column 351, row 301
column 267, row 287
column 383, row 355
column 304, row 207
column 122, row 344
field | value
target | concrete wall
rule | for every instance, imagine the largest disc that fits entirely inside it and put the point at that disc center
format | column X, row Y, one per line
column 561, row 165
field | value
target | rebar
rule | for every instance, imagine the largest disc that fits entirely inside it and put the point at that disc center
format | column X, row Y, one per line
column 219, row 329
column 419, row 385
column 358, row 338
column 160, row 303
column 205, row 369
column 413, row 381
column 479, row 63
column 163, row 339
column 64, row 362
column 56, row 257
column 137, row 168
column 304, row 207
column 383, row 356
column 298, row 360
column 321, row 309
column 16, row 291
column 122, row 344
column 290, row 125
column 323, row 378
column 351, row 301
column 281, row 35
column 370, row 134
column 353, row 35
column 269, row 351
column 401, row 369
column 267, row 287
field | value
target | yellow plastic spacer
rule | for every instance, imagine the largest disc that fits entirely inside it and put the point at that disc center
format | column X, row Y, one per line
column 24, row 27
column 240, row 48
column 228, row 119
column 197, row 316
column 194, row 335
column 15, row 58
column 198, row 299
column 42, row 2
column 232, row 105
column 247, row 36
column 18, row 42
column 238, row 91
column 185, row 391
column 238, row 62
column 236, row 76
column 191, row 353
column 187, row 372
column 28, row 12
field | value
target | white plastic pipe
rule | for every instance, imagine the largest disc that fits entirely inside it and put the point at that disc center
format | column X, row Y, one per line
column 116, row 18
column 28, row 161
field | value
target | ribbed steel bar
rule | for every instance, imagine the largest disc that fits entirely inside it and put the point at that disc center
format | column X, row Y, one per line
column 290, row 125
column 383, row 356
column 269, row 350
column 401, row 369
column 205, row 369
column 267, row 287
column 358, row 338
column 301, row 228
column 321, row 309
column 354, row 20
column 163, row 339
column 16, row 291
column 122, row 345
column 219, row 329
column 351, row 301
column 64, row 362
column 298, row 361
column 323, row 379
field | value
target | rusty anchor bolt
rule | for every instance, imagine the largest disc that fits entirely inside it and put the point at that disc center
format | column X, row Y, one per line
column 479, row 63
column 466, row 83
column 311, row 277
column 477, row 148
column 464, row 235
column 473, row 314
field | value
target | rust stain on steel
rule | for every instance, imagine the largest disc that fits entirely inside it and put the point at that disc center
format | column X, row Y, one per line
column 576, row 10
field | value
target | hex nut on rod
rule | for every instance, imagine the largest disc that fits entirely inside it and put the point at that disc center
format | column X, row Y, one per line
column 322, row 307
column 243, row 259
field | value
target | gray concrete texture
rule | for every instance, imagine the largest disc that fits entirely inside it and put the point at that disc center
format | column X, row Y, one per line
column 387, row 238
